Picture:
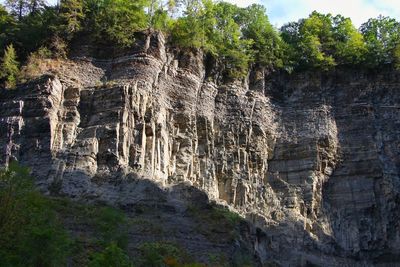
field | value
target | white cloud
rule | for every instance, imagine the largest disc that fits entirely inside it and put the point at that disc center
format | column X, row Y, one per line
column 244, row 3
column 282, row 11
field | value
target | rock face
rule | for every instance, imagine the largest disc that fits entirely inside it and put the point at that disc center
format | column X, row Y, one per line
column 312, row 159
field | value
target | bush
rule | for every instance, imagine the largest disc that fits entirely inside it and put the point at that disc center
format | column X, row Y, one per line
column 160, row 254
column 31, row 234
column 112, row 256
column 111, row 225
column 9, row 67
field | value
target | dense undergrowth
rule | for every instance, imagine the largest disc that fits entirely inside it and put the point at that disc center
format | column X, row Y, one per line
column 237, row 38
column 38, row 230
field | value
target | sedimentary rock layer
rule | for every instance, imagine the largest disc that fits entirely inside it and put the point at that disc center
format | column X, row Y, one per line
column 312, row 158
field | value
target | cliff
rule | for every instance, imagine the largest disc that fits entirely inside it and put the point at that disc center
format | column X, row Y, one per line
column 311, row 160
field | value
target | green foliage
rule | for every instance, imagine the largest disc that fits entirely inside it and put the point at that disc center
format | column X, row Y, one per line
column 236, row 39
column 9, row 67
column 220, row 214
column 213, row 28
column 31, row 234
column 20, row 8
column 35, row 30
column 349, row 43
column 311, row 41
column 71, row 16
column 115, row 20
column 111, row 224
column 159, row 14
column 192, row 29
column 233, row 50
column 266, row 42
column 396, row 56
column 112, row 256
column 382, row 35
column 216, row 220
column 159, row 254
column 35, row 65
column 7, row 26
column 323, row 41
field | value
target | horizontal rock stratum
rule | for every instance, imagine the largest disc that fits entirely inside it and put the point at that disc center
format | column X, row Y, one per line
column 311, row 159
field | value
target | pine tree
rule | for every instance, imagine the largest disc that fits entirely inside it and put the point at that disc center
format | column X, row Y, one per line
column 36, row 5
column 71, row 14
column 18, row 7
column 9, row 67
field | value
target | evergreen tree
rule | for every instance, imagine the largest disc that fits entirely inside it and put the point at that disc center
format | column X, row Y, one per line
column 21, row 8
column 36, row 5
column 7, row 26
column 71, row 14
column 18, row 8
column 9, row 67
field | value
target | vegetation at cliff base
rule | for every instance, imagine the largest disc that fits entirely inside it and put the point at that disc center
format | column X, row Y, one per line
column 38, row 230
column 236, row 38
column 31, row 233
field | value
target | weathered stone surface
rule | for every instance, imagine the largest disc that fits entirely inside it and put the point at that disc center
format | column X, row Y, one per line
column 313, row 159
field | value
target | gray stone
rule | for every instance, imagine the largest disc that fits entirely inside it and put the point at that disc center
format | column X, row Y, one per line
column 312, row 158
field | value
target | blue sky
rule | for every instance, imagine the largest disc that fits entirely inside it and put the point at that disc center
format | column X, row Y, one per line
column 282, row 11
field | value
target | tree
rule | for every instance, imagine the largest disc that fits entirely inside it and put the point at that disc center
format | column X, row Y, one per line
column 190, row 30
column 323, row 41
column 159, row 14
column 7, row 25
column 350, row 47
column 18, row 7
column 111, row 256
column 71, row 15
column 311, row 41
column 396, row 56
column 21, row 8
column 266, row 42
column 30, row 232
column 233, row 50
column 9, row 67
column 36, row 5
column 115, row 21
column 381, row 35
column 35, row 30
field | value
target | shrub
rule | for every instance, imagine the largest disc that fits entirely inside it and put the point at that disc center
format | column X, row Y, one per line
column 160, row 254
column 112, row 255
column 9, row 67
column 31, row 234
column 111, row 224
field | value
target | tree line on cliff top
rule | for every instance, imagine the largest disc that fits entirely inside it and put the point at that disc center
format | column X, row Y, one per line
column 237, row 38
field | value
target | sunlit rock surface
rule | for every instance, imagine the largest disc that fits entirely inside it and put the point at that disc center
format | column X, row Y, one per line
column 312, row 159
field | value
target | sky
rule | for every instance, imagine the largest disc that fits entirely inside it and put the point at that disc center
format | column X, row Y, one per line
column 283, row 11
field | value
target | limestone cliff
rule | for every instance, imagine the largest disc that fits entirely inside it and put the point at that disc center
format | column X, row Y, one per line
column 312, row 159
